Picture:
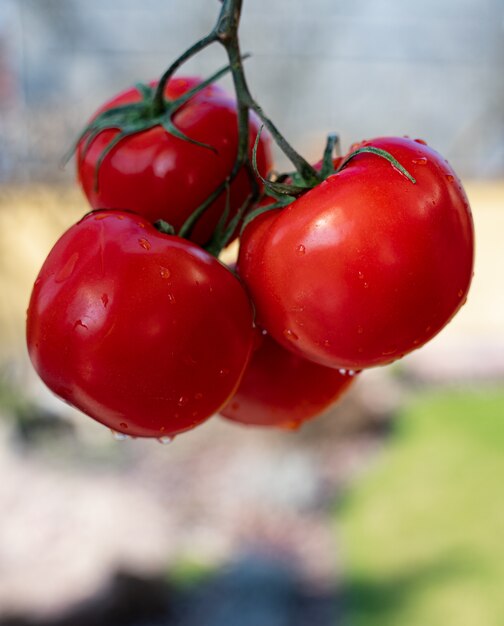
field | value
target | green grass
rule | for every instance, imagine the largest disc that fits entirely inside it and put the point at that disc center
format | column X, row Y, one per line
column 189, row 571
column 424, row 529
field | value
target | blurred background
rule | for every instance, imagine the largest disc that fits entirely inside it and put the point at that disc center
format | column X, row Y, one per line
column 389, row 509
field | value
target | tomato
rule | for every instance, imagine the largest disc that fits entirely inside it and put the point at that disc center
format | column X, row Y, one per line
column 284, row 390
column 161, row 176
column 252, row 239
column 145, row 332
column 367, row 266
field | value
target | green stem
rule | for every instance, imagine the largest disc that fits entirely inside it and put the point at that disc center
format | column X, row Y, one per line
column 187, row 227
column 158, row 103
column 381, row 153
column 225, row 32
column 228, row 37
column 327, row 160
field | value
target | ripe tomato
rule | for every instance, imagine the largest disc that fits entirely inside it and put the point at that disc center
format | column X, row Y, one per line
column 367, row 266
column 282, row 389
column 145, row 332
column 163, row 177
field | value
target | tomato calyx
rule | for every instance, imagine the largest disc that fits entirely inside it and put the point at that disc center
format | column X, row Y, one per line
column 381, row 153
column 287, row 187
column 137, row 117
column 332, row 147
column 164, row 227
column 222, row 233
column 284, row 189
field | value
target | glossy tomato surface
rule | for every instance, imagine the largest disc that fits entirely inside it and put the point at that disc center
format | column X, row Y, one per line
column 145, row 332
column 367, row 266
column 163, row 177
column 284, row 390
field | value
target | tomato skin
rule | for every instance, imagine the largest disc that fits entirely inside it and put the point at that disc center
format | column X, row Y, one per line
column 163, row 177
column 367, row 266
column 252, row 239
column 145, row 332
column 283, row 390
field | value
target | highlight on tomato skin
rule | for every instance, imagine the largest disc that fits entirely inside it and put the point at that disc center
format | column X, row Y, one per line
column 367, row 266
column 280, row 389
column 145, row 332
column 161, row 176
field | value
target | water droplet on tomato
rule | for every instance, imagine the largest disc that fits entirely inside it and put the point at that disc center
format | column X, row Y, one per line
column 101, row 216
column 360, row 330
column 366, row 285
column 37, row 281
column 300, row 250
column 144, row 243
column 198, row 395
column 342, row 371
column 291, row 336
column 171, row 298
column 123, row 425
column 360, row 275
column 165, row 272
column 351, row 372
column 389, row 351
column 327, row 343
column 67, row 269
column 224, row 371
column 183, row 400
column 264, row 332
column 165, row 439
column 119, row 436
column 450, row 178
column 460, row 293
column 421, row 161
column 105, row 300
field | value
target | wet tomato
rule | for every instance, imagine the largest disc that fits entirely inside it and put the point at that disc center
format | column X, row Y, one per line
column 284, row 390
column 161, row 176
column 145, row 332
column 367, row 266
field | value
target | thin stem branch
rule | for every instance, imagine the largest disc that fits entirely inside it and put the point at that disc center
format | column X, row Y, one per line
column 158, row 103
column 225, row 32
column 228, row 37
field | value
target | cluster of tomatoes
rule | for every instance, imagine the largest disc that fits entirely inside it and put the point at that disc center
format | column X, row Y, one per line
column 150, row 334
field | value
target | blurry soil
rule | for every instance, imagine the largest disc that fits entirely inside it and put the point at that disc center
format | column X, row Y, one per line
column 81, row 505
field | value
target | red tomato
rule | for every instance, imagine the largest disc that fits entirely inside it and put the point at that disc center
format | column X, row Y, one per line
column 367, row 266
column 253, row 237
column 145, row 332
column 284, row 390
column 163, row 177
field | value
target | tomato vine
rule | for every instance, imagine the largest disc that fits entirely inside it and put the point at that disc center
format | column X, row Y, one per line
column 358, row 260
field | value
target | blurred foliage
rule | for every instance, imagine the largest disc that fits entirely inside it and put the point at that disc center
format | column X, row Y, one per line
column 189, row 571
column 423, row 532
